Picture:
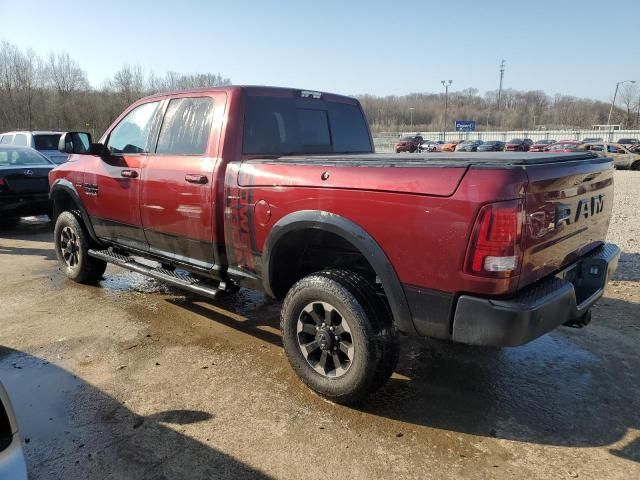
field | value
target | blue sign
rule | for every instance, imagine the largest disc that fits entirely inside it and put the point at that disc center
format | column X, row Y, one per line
column 465, row 126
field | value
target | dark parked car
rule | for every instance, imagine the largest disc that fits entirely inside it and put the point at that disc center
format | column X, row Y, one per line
column 518, row 145
column 491, row 146
column 24, row 183
column 628, row 141
column 540, row 145
column 469, row 146
column 409, row 143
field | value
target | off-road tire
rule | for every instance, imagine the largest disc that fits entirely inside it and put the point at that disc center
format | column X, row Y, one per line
column 367, row 314
column 84, row 269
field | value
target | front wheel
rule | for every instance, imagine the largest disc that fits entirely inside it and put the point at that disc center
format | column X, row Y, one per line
column 72, row 249
column 635, row 165
column 338, row 335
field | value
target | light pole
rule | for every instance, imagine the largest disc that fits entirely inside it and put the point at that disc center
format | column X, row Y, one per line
column 411, row 109
column 446, row 86
column 615, row 94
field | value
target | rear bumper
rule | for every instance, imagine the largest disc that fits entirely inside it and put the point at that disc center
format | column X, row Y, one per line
column 537, row 309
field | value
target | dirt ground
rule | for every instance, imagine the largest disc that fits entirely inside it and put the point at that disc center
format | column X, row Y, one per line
column 134, row 380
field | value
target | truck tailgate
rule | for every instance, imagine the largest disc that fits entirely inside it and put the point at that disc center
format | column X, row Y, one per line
column 568, row 207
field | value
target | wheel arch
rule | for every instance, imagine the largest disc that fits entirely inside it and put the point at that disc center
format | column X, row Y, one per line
column 64, row 196
column 354, row 235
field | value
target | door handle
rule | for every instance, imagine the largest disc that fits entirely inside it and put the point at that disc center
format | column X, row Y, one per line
column 128, row 173
column 196, row 178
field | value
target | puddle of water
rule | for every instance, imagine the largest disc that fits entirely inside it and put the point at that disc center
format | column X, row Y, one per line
column 120, row 281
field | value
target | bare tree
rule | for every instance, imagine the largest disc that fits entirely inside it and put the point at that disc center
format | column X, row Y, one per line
column 65, row 75
column 20, row 80
column 56, row 94
column 629, row 93
column 129, row 83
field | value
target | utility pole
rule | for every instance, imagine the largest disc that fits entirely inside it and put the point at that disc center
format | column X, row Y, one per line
column 411, row 109
column 446, row 86
column 500, row 87
column 615, row 94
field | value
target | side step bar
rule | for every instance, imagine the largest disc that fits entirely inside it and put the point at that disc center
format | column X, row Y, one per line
column 177, row 279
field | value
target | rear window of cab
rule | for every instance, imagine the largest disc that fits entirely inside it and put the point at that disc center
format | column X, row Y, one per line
column 288, row 126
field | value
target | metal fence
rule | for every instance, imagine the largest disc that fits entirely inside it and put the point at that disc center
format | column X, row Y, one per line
column 384, row 142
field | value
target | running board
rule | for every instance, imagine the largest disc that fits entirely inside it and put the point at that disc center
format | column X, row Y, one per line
column 177, row 279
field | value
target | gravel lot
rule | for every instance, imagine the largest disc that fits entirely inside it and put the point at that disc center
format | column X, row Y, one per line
column 133, row 380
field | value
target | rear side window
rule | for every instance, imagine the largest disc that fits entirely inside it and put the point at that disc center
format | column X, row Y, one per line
column 20, row 139
column 186, row 127
column 287, row 125
column 46, row 142
column 6, row 139
column 131, row 135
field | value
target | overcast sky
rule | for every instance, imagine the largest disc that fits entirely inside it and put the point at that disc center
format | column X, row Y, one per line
column 580, row 48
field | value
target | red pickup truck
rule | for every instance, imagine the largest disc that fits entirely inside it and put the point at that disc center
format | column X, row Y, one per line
column 280, row 190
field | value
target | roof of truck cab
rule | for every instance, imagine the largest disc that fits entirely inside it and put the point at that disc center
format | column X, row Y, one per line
column 457, row 159
column 248, row 88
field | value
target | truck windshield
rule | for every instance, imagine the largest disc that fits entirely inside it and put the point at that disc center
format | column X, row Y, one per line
column 287, row 126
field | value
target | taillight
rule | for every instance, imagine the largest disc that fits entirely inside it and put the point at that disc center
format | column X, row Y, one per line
column 3, row 183
column 494, row 249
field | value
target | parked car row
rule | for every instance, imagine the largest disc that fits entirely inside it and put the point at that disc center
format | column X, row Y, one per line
column 416, row 143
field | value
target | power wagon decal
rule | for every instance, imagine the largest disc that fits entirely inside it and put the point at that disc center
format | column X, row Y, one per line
column 239, row 229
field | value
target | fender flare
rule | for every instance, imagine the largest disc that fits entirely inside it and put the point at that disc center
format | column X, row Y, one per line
column 65, row 186
column 358, row 237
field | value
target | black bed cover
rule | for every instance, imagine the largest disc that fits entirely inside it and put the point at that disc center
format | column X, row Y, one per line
column 455, row 159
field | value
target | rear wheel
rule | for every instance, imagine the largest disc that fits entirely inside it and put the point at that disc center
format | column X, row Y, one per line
column 635, row 165
column 338, row 336
column 72, row 245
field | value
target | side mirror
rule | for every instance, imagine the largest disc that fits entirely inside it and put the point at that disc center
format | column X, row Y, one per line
column 79, row 143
